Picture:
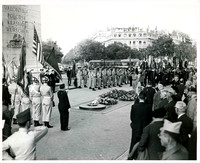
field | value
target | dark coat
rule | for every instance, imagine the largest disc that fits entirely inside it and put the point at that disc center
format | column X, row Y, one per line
column 171, row 113
column 149, row 93
column 63, row 107
column 151, row 141
column 141, row 115
column 186, row 128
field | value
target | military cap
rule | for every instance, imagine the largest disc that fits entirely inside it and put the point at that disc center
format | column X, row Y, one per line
column 35, row 80
column 171, row 127
column 24, row 116
column 45, row 79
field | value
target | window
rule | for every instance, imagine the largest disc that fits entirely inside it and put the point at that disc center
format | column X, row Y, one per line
column 125, row 35
column 134, row 35
column 115, row 35
column 140, row 34
column 144, row 34
column 144, row 42
column 140, row 42
column 129, row 35
column 133, row 42
column 130, row 42
column 119, row 35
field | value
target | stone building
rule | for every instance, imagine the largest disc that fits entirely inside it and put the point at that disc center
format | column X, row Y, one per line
column 17, row 23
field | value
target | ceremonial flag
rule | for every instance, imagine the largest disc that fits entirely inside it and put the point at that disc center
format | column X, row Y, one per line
column 5, row 68
column 37, row 47
column 22, row 75
column 52, row 62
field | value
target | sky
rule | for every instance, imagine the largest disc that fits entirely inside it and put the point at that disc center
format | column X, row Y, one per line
column 70, row 21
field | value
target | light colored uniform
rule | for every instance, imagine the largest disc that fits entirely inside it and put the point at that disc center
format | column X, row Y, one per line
column 47, row 97
column 104, row 77
column 109, row 73
column 15, row 91
column 12, row 88
column 22, row 144
column 93, row 75
column 89, row 81
column 98, row 79
column 85, row 76
column 113, row 77
column 79, row 77
column 25, row 101
column 35, row 97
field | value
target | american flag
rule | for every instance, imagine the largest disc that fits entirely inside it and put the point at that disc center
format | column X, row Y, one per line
column 37, row 47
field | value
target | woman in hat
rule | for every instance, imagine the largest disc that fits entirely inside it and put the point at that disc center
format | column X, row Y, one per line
column 63, row 107
column 47, row 98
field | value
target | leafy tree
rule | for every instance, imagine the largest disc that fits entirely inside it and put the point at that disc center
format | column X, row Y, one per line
column 47, row 48
column 186, row 50
column 163, row 46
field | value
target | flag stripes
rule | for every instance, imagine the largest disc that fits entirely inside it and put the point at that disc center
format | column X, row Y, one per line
column 37, row 47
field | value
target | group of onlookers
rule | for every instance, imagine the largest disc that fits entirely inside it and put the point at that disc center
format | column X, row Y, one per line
column 164, row 118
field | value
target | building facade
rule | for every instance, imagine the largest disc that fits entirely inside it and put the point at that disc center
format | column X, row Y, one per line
column 134, row 37
column 18, row 23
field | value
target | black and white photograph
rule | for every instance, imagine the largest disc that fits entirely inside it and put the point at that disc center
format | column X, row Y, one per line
column 99, row 80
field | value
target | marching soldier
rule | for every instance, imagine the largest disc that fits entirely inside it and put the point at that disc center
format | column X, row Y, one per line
column 119, row 77
column 35, row 97
column 47, row 98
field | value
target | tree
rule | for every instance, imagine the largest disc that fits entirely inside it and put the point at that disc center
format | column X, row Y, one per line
column 186, row 50
column 47, row 48
column 163, row 46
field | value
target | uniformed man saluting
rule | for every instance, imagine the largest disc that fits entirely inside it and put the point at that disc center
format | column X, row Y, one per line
column 47, row 98
column 22, row 144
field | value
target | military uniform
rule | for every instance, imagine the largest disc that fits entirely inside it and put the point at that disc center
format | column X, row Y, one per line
column 22, row 144
column 47, row 98
column 25, row 101
column 104, row 77
column 93, row 78
column 98, row 79
column 79, row 77
column 35, row 97
column 113, row 77
column 109, row 75
column 85, row 76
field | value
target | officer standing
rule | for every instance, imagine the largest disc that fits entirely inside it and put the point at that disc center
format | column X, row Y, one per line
column 35, row 97
column 22, row 144
column 47, row 98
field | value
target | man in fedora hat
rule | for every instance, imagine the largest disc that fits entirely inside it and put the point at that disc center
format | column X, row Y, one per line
column 169, row 135
column 22, row 144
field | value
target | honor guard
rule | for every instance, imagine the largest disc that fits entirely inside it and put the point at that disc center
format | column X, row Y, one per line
column 85, row 76
column 94, row 78
column 98, row 78
column 104, row 77
column 79, row 77
column 89, row 78
column 25, row 101
column 35, row 96
column 47, row 98
column 109, row 73
column 119, row 77
column 113, row 77
column 15, row 90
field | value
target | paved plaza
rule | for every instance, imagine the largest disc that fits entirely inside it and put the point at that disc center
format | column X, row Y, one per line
column 93, row 135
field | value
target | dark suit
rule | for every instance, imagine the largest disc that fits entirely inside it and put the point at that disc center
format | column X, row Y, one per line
column 140, row 117
column 186, row 128
column 149, row 93
column 63, row 107
column 151, row 141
